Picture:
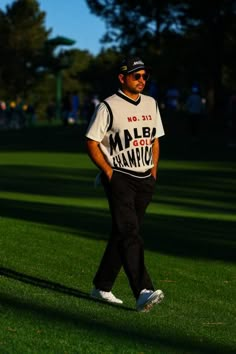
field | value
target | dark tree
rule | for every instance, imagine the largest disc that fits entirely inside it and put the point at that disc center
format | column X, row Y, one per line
column 205, row 33
column 22, row 39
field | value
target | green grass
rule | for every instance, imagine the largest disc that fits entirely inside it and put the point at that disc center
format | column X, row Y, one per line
column 53, row 229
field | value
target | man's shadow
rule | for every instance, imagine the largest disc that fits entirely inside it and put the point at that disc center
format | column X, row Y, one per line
column 47, row 284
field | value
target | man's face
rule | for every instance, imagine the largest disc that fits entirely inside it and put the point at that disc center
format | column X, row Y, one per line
column 135, row 82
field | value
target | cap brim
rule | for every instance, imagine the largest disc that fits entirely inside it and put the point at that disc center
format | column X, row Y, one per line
column 141, row 67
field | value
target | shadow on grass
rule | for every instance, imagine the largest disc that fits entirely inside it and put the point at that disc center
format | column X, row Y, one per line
column 48, row 181
column 9, row 273
column 180, row 236
column 161, row 340
column 191, row 237
column 171, row 234
column 200, row 191
column 50, row 285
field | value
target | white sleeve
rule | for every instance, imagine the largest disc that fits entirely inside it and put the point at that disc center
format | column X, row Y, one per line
column 99, row 123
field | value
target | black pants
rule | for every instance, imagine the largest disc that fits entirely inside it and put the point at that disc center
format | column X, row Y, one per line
column 128, row 199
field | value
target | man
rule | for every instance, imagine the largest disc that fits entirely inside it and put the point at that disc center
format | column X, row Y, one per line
column 122, row 140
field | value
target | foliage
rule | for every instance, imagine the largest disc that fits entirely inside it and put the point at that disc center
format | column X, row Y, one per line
column 45, row 90
column 30, row 60
column 80, row 62
column 206, row 35
column 101, row 73
column 134, row 26
column 22, row 38
column 183, row 42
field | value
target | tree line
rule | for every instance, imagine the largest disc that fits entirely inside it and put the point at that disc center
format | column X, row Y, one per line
column 183, row 41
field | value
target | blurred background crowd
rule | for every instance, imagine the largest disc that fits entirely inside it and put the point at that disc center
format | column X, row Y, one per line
column 189, row 47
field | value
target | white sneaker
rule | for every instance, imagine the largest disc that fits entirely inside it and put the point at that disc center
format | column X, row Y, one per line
column 105, row 296
column 147, row 299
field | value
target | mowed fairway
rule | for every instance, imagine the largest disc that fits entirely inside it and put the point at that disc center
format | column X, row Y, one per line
column 53, row 229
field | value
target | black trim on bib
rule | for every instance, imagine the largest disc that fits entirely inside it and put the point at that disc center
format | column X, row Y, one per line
column 110, row 113
column 135, row 103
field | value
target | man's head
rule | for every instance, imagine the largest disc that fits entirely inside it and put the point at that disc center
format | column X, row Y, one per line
column 133, row 75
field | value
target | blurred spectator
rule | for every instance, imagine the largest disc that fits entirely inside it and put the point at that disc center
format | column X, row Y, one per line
column 3, row 120
column 75, row 103
column 12, row 116
column 66, row 108
column 31, row 115
column 51, row 111
column 172, row 98
column 232, row 120
column 21, row 109
column 153, row 89
column 90, row 103
column 195, row 107
column 95, row 101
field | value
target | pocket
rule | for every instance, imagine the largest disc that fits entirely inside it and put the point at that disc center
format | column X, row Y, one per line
column 105, row 180
column 152, row 183
column 113, row 176
column 153, row 179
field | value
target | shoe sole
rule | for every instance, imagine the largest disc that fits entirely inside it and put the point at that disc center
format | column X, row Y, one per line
column 155, row 298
